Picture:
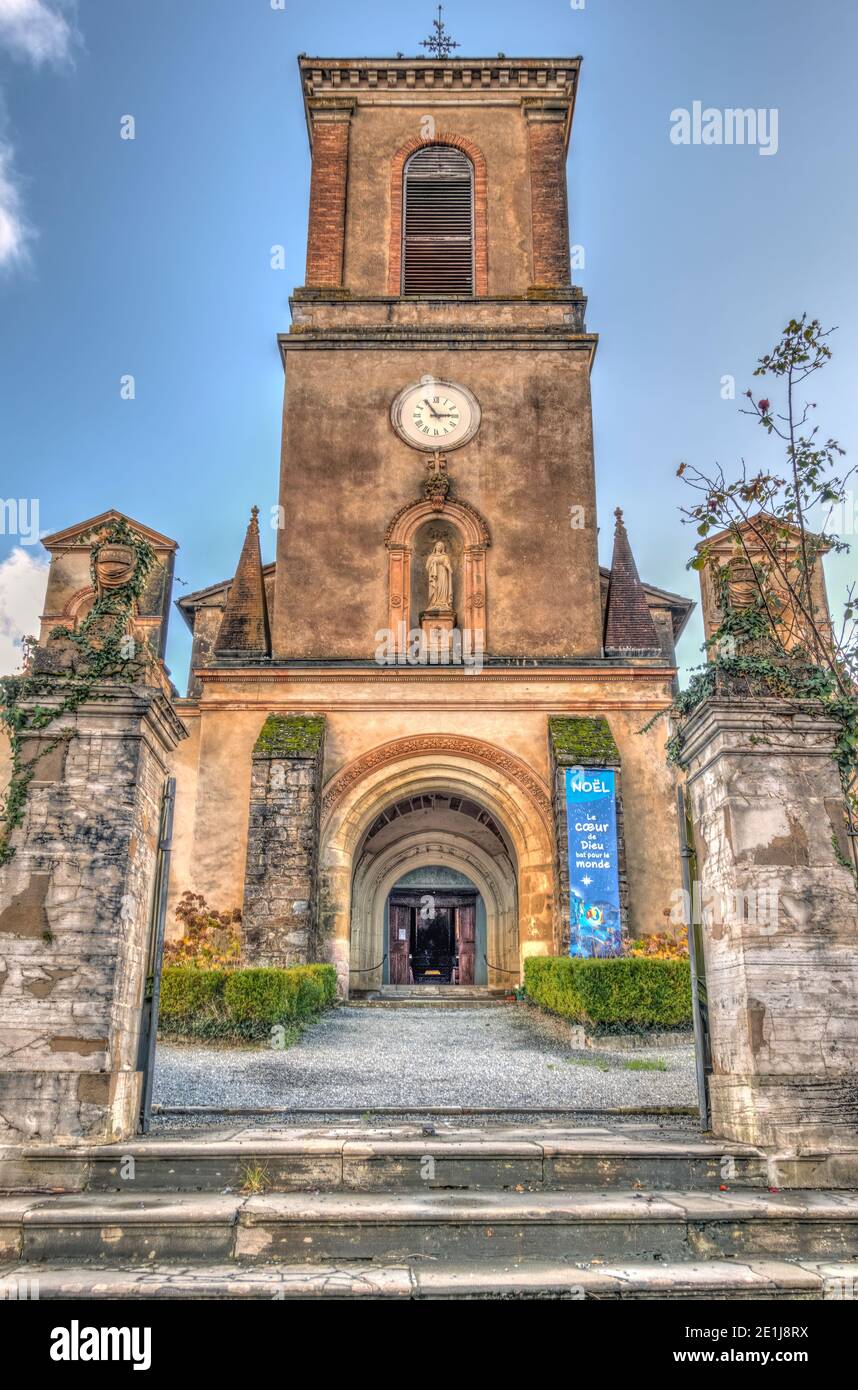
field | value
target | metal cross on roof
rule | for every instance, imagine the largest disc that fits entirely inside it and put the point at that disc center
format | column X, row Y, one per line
column 440, row 45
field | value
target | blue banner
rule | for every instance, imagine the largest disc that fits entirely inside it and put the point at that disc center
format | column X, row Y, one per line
column 594, row 875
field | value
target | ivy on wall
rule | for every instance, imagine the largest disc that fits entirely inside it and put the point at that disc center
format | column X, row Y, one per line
column 101, row 649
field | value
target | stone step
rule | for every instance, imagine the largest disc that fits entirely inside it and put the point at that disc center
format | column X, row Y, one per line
column 429, row 996
column 327, row 1227
column 757, row 1279
column 393, row 1161
column 473, row 992
column 434, row 1003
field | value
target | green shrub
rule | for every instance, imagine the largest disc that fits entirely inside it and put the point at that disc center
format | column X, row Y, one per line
column 243, row 1004
column 263, row 995
column 187, row 992
column 317, row 987
column 626, row 991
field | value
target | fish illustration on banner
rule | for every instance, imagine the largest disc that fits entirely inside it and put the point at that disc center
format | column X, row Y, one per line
column 594, row 876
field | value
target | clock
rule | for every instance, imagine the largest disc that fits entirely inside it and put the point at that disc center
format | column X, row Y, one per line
column 435, row 414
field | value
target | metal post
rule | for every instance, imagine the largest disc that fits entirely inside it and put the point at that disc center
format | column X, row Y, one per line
column 686, row 854
column 152, row 992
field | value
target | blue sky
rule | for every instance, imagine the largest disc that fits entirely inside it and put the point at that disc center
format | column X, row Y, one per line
column 151, row 257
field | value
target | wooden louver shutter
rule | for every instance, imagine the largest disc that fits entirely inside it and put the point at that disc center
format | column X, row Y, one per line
column 438, row 230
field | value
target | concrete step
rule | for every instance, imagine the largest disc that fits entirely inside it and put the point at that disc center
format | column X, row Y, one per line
column 758, row 1279
column 400, row 1160
column 451, row 1227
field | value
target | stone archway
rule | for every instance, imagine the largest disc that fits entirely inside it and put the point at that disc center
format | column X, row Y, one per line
column 520, row 890
column 376, row 874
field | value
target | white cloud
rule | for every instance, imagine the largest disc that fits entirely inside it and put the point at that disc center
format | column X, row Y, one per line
column 14, row 232
column 39, row 30
column 23, row 580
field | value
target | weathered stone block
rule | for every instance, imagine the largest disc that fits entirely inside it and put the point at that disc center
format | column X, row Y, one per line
column 780, row 925
column 75, row 904
column 280, row 917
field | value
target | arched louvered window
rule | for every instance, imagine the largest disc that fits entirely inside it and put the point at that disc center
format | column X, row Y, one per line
column 438, row 222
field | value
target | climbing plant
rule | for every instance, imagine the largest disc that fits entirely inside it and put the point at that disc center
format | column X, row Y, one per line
column 763, row 536
column 101, row 649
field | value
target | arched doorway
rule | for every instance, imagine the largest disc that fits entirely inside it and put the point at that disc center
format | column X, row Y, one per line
column 427, row 802
column 429, row 837
column 435, row 929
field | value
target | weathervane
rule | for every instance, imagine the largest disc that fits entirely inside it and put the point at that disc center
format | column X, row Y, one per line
column 440, row 45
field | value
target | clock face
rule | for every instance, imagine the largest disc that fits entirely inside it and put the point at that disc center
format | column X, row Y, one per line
column 435, row 415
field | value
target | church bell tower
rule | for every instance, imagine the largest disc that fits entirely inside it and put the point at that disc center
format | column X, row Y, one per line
column 401, row 703
column 437, row 463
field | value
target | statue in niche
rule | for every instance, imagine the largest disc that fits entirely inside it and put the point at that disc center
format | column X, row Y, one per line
column 440, row 571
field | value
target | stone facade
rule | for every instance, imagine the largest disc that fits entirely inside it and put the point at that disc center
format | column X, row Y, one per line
column 280, row 924
column 407, row 746
column 75, row 913
column 780, row 920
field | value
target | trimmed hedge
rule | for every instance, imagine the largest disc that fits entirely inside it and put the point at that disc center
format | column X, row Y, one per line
column 188, row 992
column 625, row 991
column 242, row 1003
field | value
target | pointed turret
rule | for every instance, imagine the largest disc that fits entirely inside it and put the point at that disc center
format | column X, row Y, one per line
column 244, row 629
column 629, row 628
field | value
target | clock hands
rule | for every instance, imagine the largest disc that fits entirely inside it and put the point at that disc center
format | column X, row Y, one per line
column 439, row 415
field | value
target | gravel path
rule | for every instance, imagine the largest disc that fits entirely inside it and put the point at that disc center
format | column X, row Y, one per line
column 364, row 1057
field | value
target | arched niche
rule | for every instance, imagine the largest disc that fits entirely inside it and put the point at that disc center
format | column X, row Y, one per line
column 407, row 536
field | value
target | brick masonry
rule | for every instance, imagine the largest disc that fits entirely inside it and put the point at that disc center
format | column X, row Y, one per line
column 782, row 975
column 327, row 222
column 75, row 904
column 280, row 915
column 549, row 203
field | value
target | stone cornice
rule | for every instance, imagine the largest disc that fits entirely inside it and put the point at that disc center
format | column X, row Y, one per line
column 373, row 675
column 458, row 337
column 468, row 76
column 118, row 700
column 757, row 728
column 498, row 81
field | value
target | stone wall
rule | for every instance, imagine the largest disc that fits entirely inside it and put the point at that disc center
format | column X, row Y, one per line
column 280, row 915
column 780, row 924
column 75, row 907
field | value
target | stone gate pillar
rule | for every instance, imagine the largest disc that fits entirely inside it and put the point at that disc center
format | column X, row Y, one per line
column 780, row 926
column 280, row 913
column 75, row 911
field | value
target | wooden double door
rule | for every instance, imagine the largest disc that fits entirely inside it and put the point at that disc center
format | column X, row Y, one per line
column 432, row 938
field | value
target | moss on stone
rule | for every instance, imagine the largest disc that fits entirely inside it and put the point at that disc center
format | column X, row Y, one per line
column 290, row 736
column 583, row 740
